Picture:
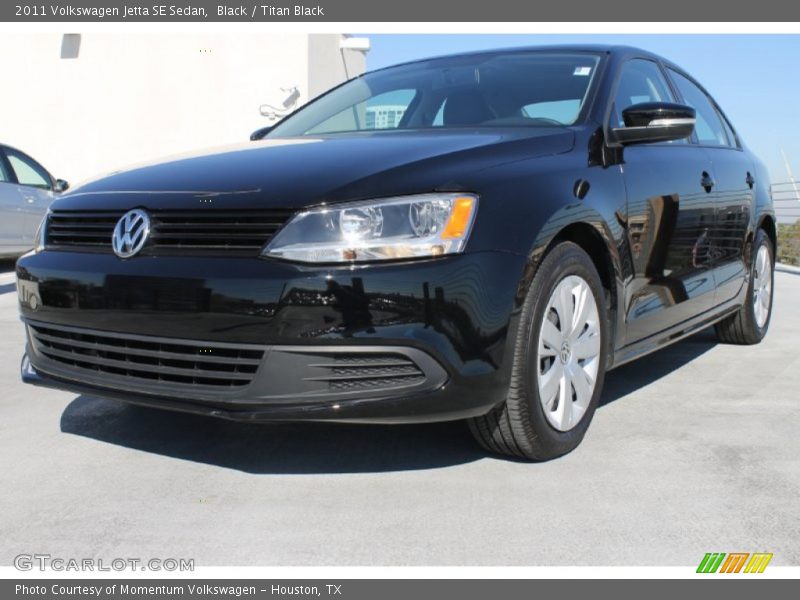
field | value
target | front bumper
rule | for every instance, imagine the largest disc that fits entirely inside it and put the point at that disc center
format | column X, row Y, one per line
column 421, row 341
column 446, row 403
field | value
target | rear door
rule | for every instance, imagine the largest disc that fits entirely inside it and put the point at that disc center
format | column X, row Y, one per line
column 12, row 217
column 733, row 194
column 35, row 187
column 670, row 216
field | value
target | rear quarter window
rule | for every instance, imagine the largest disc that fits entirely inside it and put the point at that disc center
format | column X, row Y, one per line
column 708, row 128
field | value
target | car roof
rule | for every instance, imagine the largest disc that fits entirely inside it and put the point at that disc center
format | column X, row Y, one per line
column 610, row 49
column 5, row 146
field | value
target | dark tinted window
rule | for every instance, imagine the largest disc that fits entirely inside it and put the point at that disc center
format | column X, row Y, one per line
column 729, row 131
column 519, row 89
column 709, row 129
column 384, row 111
column 4, row 176
column 640, row 81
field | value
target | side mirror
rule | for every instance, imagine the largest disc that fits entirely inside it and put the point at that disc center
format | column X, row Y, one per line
column 655, row 122
column 60, row 186
column 259, row 134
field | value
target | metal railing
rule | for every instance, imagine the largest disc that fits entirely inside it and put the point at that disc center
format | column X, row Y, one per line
column 786, row 196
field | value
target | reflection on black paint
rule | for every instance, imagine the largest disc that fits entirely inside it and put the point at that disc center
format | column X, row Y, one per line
column 460, row 312
column 701, row 251
column 652, row 235
column 362, row 312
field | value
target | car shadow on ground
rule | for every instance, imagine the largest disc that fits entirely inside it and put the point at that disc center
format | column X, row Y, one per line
column 635, row 375
column 307, row 448
column 298, row 448
column 7, row 269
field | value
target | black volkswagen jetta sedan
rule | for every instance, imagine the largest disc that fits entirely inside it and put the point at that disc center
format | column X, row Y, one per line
column 474, row 237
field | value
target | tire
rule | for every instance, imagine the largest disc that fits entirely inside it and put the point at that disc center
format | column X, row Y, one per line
column 748, row 325
column 524, row 426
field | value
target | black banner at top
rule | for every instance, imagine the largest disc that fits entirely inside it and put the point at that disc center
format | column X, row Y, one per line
column 406, row 11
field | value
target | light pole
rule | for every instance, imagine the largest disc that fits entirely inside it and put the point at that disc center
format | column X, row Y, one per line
column 791, row 177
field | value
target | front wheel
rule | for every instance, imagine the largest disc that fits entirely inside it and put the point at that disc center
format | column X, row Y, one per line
column 558, row 364
column 749, row 325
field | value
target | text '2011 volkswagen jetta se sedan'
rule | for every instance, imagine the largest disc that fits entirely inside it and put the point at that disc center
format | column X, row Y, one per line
column 474, row 237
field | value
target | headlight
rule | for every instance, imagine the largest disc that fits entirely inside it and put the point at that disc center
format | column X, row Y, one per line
column 390, row 229
column 41, row 233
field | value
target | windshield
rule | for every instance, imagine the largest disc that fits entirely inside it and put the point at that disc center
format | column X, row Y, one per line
column 516, row 89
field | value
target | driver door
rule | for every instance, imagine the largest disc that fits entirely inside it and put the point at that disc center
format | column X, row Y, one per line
column 670, row 216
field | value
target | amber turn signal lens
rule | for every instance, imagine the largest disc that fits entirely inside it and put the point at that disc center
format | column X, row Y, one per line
column 460, row 218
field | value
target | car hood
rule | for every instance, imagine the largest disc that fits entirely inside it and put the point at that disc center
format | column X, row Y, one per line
column 297, row 172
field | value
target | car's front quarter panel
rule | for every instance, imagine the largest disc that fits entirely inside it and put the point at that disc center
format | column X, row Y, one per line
column 535, row 202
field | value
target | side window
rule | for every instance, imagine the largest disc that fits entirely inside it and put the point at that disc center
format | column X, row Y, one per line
column 383, row 111
column 27, row 171
column 640, row 81
column 728, row 130
column 709, row 127
column 438, row 120
column 563, row 111
column 4, row 176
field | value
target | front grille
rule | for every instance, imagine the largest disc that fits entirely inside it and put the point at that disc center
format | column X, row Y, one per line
column 144, row 358
column 369, row 371
column 81, row 229
column 171, row 231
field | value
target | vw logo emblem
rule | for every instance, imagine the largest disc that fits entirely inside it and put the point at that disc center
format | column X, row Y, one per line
column 566, row 352
column 130, row 233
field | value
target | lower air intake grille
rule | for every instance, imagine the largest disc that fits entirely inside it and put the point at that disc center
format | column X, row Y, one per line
column 142, row 358
column 369, row 372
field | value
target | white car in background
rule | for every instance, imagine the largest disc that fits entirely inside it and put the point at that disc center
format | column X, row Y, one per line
column 26, row 191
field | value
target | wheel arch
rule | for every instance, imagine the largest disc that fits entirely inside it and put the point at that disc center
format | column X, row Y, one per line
column 767, row 223
column 592, row 234
column 588, row 238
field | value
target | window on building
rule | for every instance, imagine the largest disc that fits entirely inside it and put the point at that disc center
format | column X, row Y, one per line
column 71, row 45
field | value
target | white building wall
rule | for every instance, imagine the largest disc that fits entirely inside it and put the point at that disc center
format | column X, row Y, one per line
column 330, row 64
column 128, row 98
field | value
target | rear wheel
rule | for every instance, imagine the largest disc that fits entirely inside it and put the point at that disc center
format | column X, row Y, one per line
column 749, row 325
column 558, row 364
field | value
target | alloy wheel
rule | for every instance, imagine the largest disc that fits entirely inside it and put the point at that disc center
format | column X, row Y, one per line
column 568, row 356
column 762, row 286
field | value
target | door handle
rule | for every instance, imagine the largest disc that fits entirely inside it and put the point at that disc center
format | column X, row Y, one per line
column 707, row 181
column 750, row 180
column 30, row 199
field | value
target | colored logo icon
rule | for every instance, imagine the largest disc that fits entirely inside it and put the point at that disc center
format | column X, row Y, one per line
column 734, row 562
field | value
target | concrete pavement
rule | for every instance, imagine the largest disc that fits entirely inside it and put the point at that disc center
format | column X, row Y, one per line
column 695, row 449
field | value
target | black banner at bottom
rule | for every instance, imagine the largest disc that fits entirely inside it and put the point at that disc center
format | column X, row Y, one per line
column 396, row 589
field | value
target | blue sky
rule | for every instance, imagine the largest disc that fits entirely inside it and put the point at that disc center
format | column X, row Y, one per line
column 755, row 78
